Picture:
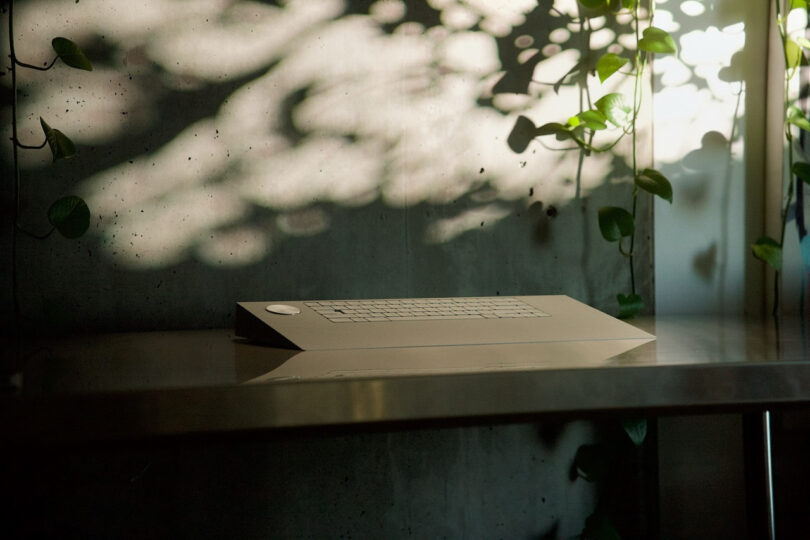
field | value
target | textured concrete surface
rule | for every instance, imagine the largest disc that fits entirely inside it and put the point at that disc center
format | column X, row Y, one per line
column 471, row 482
column 307, row 149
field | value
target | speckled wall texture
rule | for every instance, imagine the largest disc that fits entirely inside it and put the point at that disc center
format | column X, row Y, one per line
column 308, row 149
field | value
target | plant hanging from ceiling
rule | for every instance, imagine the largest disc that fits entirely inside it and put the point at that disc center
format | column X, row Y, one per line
column 613, row 116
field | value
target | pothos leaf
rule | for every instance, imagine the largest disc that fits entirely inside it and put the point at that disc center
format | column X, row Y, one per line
column 656, row 40
column 802, row 42
column 70, row 53
column 636, row 429
column 796, row 117
column 61, row 146
column 591, row 119
column 793, row 54
column 802, row 171
column 615, row 223
column 615, row 108
column 561, row 131
column 797, row 4
column 768, row 250
column 629, row 305
column 590, row 462
column 70, row 215
column 609, row 64
column 656, row 183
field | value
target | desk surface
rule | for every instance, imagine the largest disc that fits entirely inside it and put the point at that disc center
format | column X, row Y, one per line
column 162, row 383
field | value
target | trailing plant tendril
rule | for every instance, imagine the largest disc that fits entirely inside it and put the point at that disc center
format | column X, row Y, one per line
column 616, row 224
column 69, row 215
column 766, row 248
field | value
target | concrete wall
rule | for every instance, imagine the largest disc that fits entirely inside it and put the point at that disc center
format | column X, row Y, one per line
column 308, row 149
column 470, row 482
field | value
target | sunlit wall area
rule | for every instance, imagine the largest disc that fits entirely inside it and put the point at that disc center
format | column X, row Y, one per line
column 234, row 150
column 709, row 130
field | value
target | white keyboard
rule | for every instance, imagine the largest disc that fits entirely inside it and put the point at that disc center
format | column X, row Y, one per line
column 424, row 309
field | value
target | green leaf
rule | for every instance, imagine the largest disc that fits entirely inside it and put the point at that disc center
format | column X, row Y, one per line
column 70, row 215
column 802, row 42
column 554, row 128
column 655, row 40
column 615, row 223
column 61, row 146
column 768, row 250
column 793, row 54
column 797, row 4
column 591, row 119
column 71, row 54
column 636, row 429
column 628, row 4
column 656, row 183
column 615, row 108
column 609, row 64
column 629, row 305
column 796, row 117
column 590, row 462
column 802, row 171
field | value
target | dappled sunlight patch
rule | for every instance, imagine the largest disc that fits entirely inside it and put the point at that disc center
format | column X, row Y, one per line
column 167, row 231
column 447, row 229
column 187, row 163
column 307, row 222
column 246, row 111
column 320, row 169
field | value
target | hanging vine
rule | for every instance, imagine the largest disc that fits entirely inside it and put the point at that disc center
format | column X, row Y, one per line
column 68, row 215
column 616, row 115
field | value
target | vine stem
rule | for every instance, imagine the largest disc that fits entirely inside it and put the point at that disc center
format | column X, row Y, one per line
column 789, row 72
column 639, row 71
column 15, row 193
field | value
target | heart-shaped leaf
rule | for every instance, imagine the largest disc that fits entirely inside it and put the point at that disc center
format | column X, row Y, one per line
column 768, row 250
column 591, row 119
column 656, row 183
column 802, row 171
column 71, row 54
column 70, row 215
column 629, row 305
column 615, row 223
column 615, row 108
column 802, row 42
column 796, row 117
column 590, row 462
column 609, row 64
column 655, row 40
column 636, row 429
column 61, row 146
column 797, row 4
column 561, row 131
column 793, row 54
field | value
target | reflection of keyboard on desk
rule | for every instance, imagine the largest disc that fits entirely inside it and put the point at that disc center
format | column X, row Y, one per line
column 415, row 322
